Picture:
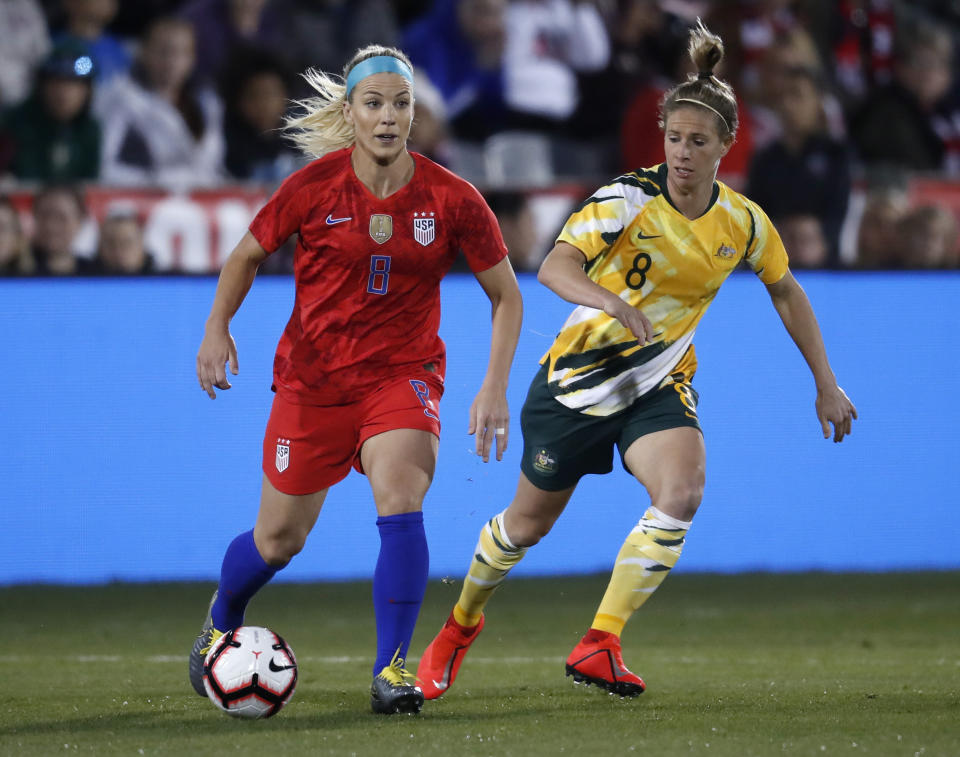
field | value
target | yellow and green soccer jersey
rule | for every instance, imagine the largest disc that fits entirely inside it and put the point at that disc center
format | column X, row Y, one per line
column 639, row 246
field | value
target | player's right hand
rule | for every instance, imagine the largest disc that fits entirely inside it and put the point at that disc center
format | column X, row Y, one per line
column 216, row 350
column 631, row 318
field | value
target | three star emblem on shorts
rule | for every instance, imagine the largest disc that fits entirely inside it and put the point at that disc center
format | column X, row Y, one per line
column 283, row 455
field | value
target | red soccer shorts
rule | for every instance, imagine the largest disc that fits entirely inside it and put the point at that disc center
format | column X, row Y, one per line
column 307, row 448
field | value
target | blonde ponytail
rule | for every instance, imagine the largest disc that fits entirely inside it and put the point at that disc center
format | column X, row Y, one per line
column 320, row 127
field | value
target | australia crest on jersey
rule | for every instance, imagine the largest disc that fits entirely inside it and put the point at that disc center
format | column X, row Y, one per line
column 424, row 228
column 381, row 227
column 726, row 252
column 283, row 455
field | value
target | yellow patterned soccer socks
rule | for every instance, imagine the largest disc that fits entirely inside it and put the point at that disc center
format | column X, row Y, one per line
column 495, row 555
column 651, row 549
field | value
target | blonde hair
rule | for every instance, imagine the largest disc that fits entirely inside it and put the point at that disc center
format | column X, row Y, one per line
column 321, row 127
column 704, row 88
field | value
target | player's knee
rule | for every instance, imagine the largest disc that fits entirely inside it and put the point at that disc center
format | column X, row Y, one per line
column 525, row 532
column 398, row 502
column 681, row 500
column 278, row 548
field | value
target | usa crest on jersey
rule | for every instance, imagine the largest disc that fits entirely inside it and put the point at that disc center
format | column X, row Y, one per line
column 283, row 455
column 424, row 228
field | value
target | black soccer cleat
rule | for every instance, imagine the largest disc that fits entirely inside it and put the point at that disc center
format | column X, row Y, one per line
column 206, row 639
column 394, row 689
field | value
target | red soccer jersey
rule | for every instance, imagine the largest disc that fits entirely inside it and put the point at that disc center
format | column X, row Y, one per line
column 368, row 273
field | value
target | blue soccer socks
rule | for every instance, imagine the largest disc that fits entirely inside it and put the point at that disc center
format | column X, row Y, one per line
column 399, row 583
column 242, row 574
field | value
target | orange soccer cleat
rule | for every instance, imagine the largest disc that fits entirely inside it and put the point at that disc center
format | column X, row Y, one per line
column 442, row 658
column 597, row 660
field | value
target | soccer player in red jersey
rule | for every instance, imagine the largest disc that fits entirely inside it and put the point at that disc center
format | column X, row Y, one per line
column 359, row 370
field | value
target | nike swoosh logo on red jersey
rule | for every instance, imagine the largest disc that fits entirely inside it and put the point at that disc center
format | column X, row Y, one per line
column 331, row 220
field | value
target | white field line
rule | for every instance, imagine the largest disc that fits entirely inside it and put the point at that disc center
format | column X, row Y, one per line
column 182, row 659
column 18, row 659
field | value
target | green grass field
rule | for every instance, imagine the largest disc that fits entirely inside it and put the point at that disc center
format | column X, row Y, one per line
column 814, row 664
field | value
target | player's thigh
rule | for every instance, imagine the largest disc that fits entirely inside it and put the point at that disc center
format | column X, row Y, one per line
column 399, row 435
column 284, row 521
column 561, row 445
column 399, row 465
column 671, row 464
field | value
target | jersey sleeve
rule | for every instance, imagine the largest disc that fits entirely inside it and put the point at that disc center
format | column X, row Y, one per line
column 766, row 254
column 478, row 233
column 597, row 223
column 281, row 216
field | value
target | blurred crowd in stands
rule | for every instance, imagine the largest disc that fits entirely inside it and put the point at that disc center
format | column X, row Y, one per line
column 839, row 99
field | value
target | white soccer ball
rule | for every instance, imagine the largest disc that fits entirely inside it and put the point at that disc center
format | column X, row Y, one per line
column 250, row 672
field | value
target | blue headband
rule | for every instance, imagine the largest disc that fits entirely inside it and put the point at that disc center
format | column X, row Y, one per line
column 380, row 64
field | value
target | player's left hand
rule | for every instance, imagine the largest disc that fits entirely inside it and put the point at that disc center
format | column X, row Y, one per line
column 489, row 420
column 834, row 406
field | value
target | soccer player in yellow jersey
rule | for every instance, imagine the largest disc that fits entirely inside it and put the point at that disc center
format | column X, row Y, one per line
column 641, row 259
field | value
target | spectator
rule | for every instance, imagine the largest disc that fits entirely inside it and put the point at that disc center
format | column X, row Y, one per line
column 24, row 43
column 910, row 122
column 53, row 136
column 928, row 238
column 804, row 172
column 121, row 249
column 857, row 36
column 255, row 89
column 15, row 258
column 408, row 11
column 751, row 29
column 547, row 43
column 519, row 228
column 58, row 213
column 158, row 127
column 133, row 18
column 644, row 36
column 322, row 34
column 644, row 39
column 804, row 240
column 792, row 50
column 459, row 44
column 225, row 25
column 430, row 134
column 86, row 24
column 877, row 245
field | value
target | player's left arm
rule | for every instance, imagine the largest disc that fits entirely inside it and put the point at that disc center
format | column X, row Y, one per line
column 489, row 410
column 833, row 405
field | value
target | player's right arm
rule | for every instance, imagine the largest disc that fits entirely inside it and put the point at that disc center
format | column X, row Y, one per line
column 218, row 347
column 562, row 272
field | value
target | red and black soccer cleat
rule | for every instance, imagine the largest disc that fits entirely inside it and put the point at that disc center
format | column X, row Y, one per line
column 597, row 660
